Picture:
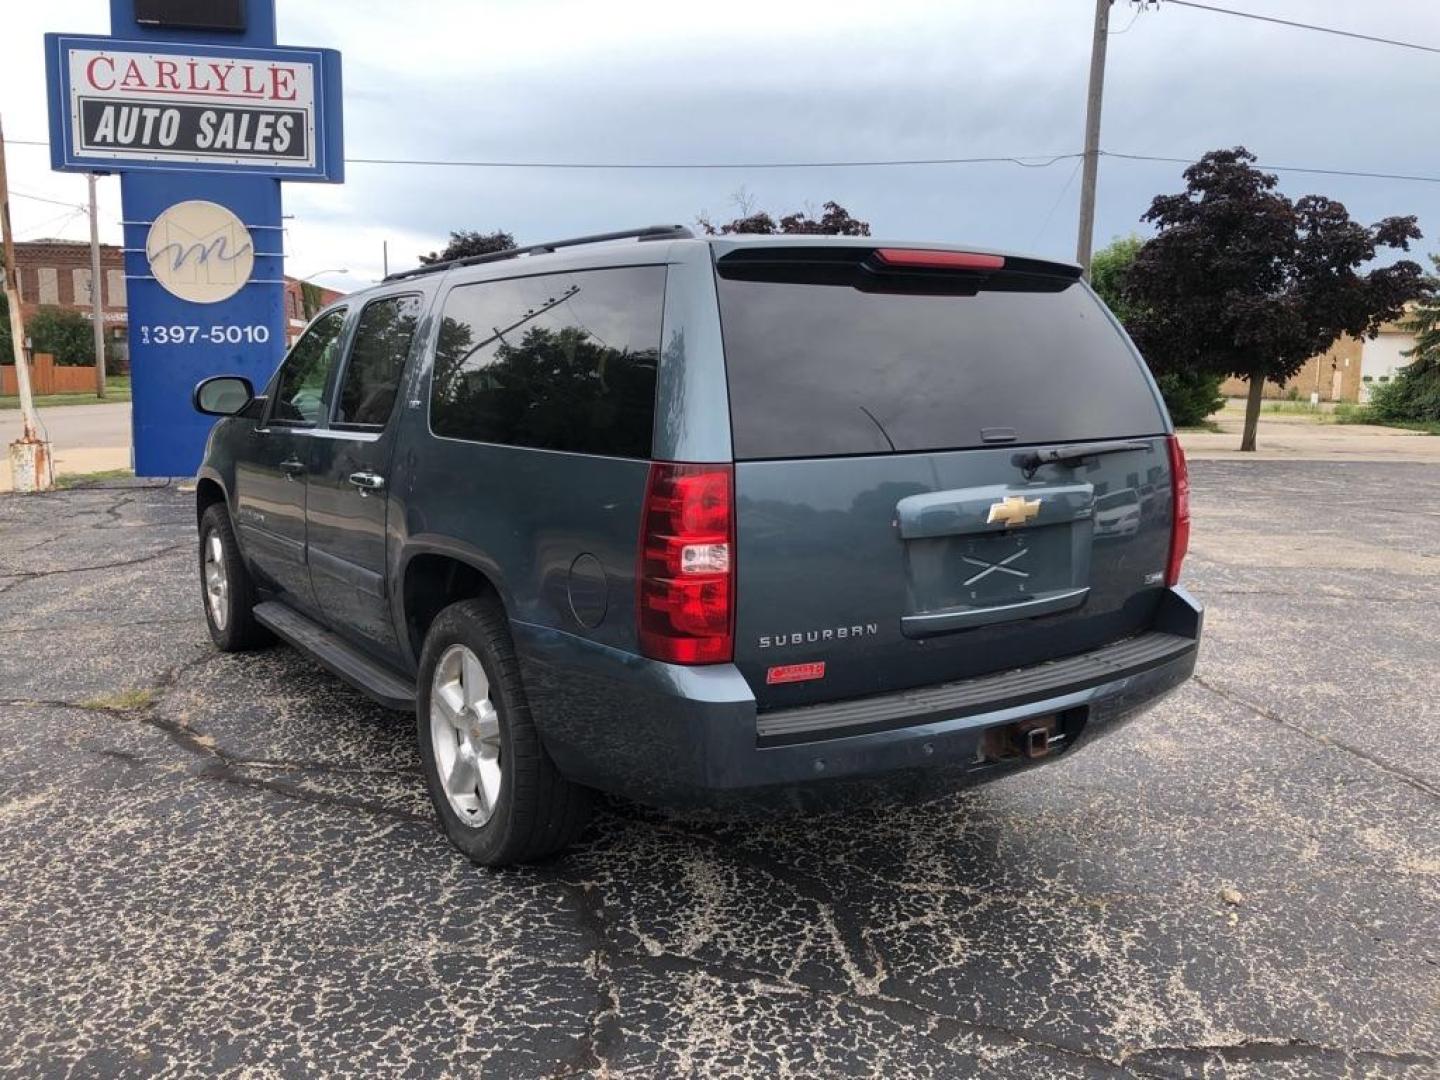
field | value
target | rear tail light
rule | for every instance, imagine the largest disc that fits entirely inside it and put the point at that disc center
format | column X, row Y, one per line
column 1179, row 513
column 686, row 572
column 938, row 260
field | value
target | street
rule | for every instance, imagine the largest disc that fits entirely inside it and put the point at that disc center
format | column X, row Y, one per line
column 84, row 438
column 227, row 862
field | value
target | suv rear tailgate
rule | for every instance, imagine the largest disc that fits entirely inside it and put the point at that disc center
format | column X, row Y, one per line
column 889, row 525
column 878, row 568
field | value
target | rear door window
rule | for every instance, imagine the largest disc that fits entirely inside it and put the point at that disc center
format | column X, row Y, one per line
column 382, row 340
column 820, row 370
column 558, row 361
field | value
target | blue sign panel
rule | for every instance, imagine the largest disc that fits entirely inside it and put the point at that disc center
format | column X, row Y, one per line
column 201, row 126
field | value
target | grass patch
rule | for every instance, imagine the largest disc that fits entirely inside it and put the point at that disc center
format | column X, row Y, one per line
column 65, row 481
column 1347, row 412
column 117, row 388
column 123, row 700
column 1209, row 426
column 1300, row 408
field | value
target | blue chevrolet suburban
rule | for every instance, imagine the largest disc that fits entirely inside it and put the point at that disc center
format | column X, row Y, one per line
column 718, row 520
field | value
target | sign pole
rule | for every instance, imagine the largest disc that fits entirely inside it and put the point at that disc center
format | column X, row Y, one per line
column 96, row 306
column 29, row 455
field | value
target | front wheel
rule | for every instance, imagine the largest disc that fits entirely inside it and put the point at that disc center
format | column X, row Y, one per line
column 228, row 590
column 499, row 798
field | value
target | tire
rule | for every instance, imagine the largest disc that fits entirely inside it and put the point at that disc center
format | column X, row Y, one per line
column 509, row 804
column 229, row 600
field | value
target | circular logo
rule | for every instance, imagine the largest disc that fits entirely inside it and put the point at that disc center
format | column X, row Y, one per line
column 200, row 251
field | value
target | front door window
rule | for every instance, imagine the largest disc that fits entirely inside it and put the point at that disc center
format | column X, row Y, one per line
column 300, row 389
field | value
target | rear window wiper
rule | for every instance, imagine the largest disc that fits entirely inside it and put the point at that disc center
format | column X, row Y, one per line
column 1060, row 455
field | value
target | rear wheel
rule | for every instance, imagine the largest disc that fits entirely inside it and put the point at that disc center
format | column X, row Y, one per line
column 496, row 792
column 228, row 590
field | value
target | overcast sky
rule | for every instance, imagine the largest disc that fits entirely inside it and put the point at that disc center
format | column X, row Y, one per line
column 742, row 81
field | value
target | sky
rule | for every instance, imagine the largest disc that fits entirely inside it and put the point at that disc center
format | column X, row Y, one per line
column 638, row 82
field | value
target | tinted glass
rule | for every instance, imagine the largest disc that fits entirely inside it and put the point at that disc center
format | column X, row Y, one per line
column 563, row 361
column 300, row 389
column 377, row 357
column 818, row 370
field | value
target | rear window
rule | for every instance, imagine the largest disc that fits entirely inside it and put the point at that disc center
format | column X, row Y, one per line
column 556, row 361
column 820, row 370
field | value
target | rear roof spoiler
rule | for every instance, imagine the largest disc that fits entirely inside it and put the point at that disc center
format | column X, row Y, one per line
column 892, row 268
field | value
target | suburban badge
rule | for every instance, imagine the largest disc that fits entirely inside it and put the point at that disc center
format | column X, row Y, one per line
column 1013, row 510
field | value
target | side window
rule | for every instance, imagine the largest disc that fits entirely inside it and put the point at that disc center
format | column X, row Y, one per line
column 300, row 389
column 560, row 362
column 377, row 357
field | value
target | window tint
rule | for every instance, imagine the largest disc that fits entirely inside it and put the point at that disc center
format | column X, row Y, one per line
column 818, row 370
column 563, row 362
column 300, row 389
column 377, row 357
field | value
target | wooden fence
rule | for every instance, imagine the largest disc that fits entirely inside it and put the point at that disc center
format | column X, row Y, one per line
column 48, row 377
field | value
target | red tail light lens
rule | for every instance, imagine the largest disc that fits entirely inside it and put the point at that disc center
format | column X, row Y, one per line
column 686, row 576
column 939, row 260
column 1179, row 513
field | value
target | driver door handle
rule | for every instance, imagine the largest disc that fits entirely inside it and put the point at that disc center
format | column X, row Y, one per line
column 367, row 482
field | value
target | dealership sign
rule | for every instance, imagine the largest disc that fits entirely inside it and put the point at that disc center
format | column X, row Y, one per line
column 204, row 118
column 146, row 104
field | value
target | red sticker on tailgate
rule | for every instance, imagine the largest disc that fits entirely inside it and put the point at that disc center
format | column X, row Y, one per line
column 795, row 673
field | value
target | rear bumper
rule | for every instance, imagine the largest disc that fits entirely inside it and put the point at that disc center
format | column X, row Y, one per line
column 669, row 734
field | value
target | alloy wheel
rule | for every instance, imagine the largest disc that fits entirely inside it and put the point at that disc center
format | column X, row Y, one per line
column 217, row 581
column 465, row 735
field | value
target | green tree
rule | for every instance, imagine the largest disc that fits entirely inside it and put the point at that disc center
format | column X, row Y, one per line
column 1109, row 271
column 1190, row 395
column 1414, row 393
column 311, row 299
column 63, row 333
column 465, row 242
column 7, row 347
column 1240, row 280
column 835, row 221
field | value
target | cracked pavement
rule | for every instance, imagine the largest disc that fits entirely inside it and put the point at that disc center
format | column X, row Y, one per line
column 227, row 864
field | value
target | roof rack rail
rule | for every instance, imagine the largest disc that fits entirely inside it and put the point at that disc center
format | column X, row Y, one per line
column 649, row 232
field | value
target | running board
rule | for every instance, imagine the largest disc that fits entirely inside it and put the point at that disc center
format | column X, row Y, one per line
column 338, row 655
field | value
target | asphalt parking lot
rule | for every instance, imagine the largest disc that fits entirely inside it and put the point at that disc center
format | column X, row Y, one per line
column 226, row 863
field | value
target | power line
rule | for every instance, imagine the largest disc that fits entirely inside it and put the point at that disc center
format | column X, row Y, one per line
column 1056, row 205
column 1286, row 168
column 1139, row 10
column 1028, row 161
column 1041, row 162
column 49, row 225
column 42, row 198
column 1306, row 26
column 1035, row 161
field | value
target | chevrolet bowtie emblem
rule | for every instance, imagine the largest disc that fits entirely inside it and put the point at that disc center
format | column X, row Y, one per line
column 1013, row 510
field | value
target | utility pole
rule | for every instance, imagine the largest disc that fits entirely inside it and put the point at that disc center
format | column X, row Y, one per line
column 96, row 307
column 1092, row 136
column 385, row 258
column 30, row 465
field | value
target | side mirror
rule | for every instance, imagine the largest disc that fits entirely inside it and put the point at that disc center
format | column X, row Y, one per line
column 222, row 395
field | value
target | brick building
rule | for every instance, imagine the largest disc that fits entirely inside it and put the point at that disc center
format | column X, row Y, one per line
column 296, row 315
column 56, row 273
column 1347, row 371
